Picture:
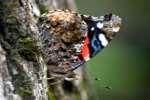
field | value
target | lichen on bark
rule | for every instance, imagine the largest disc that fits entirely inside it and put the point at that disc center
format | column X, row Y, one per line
column 23, row 71
column 24, row 63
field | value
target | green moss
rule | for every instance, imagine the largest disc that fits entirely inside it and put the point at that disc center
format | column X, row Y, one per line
column 50, row 94
column 44, row 9
column 16, row 56
column 27, row 48
column 6, row 45
column 27, row 54
column 26, row 40
column 25, row 91
column 9, row 4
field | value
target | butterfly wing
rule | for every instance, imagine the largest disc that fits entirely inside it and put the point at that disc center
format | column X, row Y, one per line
column 70, row 39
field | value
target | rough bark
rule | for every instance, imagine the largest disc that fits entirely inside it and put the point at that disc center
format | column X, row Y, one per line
column 23, row 72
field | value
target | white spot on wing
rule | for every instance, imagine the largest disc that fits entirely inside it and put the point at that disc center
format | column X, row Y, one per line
column 100, row 25
column 116, row 29
column 92, row 29
column 103, row 40
column 77, row 47
column 86, row 58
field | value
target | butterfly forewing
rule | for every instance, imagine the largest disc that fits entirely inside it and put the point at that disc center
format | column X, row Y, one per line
column 70, row 39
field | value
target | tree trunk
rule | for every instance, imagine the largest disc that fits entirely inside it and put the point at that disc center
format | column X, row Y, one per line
column 23, row 71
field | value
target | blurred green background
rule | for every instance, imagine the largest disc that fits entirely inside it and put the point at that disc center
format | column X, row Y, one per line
column 123, row 68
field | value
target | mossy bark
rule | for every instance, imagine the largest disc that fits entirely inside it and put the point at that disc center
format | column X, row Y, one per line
column 23, row 72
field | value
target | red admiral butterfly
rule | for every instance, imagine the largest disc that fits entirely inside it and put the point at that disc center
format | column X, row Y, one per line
column 70, row 39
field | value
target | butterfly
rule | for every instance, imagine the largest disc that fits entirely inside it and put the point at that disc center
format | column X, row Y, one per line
column 71, row 39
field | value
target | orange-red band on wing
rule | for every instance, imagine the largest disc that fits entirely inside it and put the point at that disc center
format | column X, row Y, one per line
column 85, row 48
